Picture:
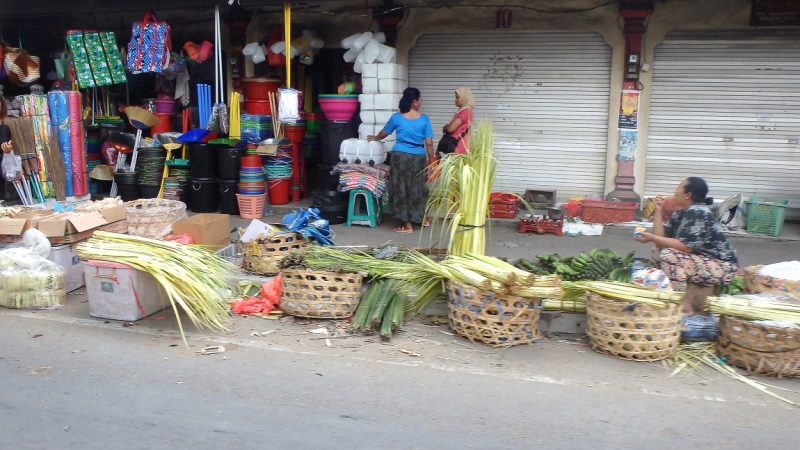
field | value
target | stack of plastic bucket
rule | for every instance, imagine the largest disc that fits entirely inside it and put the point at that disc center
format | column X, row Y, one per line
column 230, row 160
column 252, row 187
column 279, row 174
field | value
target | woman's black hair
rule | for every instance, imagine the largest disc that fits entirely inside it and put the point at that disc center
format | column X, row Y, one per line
column 409, row 95
column 699, row 189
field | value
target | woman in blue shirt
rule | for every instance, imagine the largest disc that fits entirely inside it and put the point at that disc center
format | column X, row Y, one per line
column 411, row 155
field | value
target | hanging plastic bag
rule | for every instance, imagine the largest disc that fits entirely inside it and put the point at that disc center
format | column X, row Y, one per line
column 289, row 106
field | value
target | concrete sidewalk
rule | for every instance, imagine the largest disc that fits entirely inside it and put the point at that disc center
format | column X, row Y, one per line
column 504, row 239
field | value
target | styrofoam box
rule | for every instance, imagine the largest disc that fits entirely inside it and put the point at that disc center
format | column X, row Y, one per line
column 367, row 101
column 368, row 129
column 381, row 117
column 66, row 257
column 369, row 71
column 391, row 72
column 119, row 292
column 367, row 116
column 391, row 86
column 386, row 101
column 369, row 85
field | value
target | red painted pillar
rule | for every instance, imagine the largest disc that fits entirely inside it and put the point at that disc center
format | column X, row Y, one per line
column 635, row 14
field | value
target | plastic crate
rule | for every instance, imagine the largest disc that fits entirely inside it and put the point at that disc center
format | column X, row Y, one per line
column 500, row 197
column 598, row 211
column 765, row 215
column 503, row 210
column 232, row 254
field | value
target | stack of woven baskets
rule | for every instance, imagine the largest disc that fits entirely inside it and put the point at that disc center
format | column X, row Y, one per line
column 759, row 349
column 632, row 331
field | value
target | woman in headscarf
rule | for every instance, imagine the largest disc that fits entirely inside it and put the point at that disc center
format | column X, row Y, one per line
column 411, row 155
column 460, row 126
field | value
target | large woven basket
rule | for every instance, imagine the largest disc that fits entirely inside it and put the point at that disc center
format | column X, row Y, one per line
column 759, row 349
column 757, row 284
column 263, row 257
column 632, row 331
column 323, row 295
column 151, row 217
column 490, row 318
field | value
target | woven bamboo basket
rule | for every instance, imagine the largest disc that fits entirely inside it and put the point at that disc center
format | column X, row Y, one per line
column 263, row 258
column 151, row 217
column 322, row 295
column 759, row 349
column 632, row 331
column 490, row 318
column 757, row 284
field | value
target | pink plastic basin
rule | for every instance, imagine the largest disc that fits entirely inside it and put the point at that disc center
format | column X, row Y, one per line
column 339, row 109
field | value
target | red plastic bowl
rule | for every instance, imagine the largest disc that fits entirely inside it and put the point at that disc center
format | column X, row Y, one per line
column 339, row 109
column 260, row 107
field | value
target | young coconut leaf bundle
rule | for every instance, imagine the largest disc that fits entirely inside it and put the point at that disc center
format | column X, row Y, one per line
column 195, row 279
column 460, row 199
column 488, row 273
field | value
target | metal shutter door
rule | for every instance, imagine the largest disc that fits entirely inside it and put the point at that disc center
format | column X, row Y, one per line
column 547, row 94
column 726, row 108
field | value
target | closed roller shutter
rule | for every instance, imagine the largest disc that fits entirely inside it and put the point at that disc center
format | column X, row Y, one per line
column 726, row 107
column 547, row 94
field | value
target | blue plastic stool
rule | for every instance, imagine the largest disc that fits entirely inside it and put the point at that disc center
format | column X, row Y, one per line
column 363, row 209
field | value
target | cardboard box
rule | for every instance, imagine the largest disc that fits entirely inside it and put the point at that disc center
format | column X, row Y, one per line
column 58, row 224
column 206, row 229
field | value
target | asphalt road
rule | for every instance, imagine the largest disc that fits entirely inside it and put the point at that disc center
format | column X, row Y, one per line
column 94, row 384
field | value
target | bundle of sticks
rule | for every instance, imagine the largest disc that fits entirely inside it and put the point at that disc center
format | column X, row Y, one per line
column 277, row 126
column 24, row 143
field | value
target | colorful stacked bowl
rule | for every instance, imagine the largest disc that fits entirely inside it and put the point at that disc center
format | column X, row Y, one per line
column 252, row 180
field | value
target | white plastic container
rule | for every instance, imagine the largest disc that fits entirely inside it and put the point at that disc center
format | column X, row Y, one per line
column 314, row 39
column 361, row 155
column 387, row 147
column 371, row 51
column 369, row 86
column 259, row 56
column 386, row 54
column 391, row 72
column 369, row 71
column 357, row 66
column 66, row 257
column 380, row 37
column 367, row 100
column 347, row 43
column 386, row 101
column 350, row 55
column 119, row 292
column 277, row 47
column 376, row 152
column 250, row 48
column 391, row 86
column 362, row 41
column 367, row 116
column 347, row 150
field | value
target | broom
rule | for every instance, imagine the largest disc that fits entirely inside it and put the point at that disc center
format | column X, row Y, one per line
column 24, row 144
column 55, row 167
column 141, row 119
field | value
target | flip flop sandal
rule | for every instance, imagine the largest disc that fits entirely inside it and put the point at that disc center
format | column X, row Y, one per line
column 403, row 230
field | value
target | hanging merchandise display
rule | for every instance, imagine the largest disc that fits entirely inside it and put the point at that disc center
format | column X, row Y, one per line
column 22, row 68
column 96, row 58
column 150, row 45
